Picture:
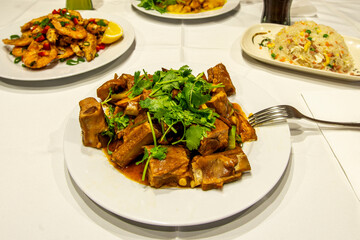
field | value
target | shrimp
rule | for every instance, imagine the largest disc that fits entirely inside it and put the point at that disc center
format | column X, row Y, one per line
column 89, row 47
column 96, row 25
column 66, row 53
column 37, row 57
column 77, row 50
column 77, row 15
column 67, row 27
column 51, row 35
column 28, row 25
column 64, row 41
column 24, row 40
column 18, row 51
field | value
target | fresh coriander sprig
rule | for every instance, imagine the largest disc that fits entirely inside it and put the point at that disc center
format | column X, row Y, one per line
column 157, row 152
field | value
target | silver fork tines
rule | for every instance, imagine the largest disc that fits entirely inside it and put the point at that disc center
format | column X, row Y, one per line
column 280, row 113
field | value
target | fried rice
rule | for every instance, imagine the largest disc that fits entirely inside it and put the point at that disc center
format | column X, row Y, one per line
column 312, row 45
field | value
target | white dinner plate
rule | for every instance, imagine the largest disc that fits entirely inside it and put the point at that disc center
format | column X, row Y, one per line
column 106, row 186
column 229, row 5
column 250, row 46
column 10, row 70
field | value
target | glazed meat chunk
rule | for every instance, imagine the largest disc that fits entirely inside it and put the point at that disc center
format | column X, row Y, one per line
column 243, row 127
column 135, row 140
column 219, row 74
column 212, row 171
column 170, row 171
column 216, row 139
column 92, row 122
column 220, row 103
column 116, row 84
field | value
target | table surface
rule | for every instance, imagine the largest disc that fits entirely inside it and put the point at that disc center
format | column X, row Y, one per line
column 39, row 199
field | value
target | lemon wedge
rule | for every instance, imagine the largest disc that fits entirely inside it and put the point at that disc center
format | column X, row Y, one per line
column 112, row 33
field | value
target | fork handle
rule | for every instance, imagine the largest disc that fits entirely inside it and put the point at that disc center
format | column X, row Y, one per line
column 349, row 124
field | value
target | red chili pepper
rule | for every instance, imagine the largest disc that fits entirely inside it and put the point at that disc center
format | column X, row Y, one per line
column 76, row 21
column 40, row 39
column 55, row 11
column 63, row 11
column 100, row 46
column 46, row 46
column 92, row 20
column 46, row 28
column 43, row 54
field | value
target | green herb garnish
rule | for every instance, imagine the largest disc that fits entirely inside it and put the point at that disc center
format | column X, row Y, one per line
column 72, row 62
column 115, row 122
column 17, row 59
column 264, row 42
column 158, row 152
column 101, row 23
column 184, row 107
column 157, row 5
column 44, row 22
column 63, row 23
column 37, row 35
column 14, row 36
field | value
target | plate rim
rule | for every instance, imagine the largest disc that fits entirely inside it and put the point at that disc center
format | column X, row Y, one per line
column 246, row 39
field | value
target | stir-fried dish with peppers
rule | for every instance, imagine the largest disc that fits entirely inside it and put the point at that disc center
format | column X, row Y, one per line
column 59, row 36
column 181, row 6
column 170, row 128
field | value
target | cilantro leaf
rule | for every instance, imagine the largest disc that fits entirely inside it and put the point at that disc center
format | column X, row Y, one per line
column 184, row 107
column 158, row 152
column 139, row 85
column 194, row 134
column 121, row 121
column 158, row 5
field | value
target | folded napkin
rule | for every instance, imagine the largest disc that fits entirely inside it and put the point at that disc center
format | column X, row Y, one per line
column 340, row 105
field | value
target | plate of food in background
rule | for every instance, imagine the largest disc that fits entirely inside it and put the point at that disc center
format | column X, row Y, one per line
column 62, row 43
column 305, row 46
column 170, row 144
column 196, row 9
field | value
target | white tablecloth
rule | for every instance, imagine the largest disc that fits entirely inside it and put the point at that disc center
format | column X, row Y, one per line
column 39, row 200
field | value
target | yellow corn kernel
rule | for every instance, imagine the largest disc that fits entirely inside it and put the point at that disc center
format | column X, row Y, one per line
column 327, row 59
column 318, row 31
column 203, row 106
column 302, row 33
column 307, row 45
column 271, row 45
column 182, row 182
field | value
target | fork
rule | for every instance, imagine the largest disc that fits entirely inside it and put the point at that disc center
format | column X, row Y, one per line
column 280, row 113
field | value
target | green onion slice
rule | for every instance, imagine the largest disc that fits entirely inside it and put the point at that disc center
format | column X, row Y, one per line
column 14, row 36
column 17, row 59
